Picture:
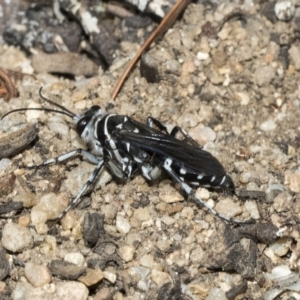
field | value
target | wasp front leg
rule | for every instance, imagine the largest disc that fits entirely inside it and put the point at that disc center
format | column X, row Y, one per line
column 87, row 185
column 90, row 157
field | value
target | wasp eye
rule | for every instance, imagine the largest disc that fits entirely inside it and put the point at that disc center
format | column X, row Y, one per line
column 81, row 124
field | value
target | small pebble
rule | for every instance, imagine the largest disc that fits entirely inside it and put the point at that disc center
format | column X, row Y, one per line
column 16, row 238
column 196, row 255
column 228, row 207
column 142, row 214
column 282, row 202
column 169, row 195
column 264, row 75
column 122, row 224
column 279, row 272
column 141, row 271
column 65, row 270
column 200, row 289
column 127, row 253
column 168, row 220
column 216, row 293
column 23, row 290
column 4, row 265
column 4, row 163
column 75, row 258
column 111, row 277
column 24, row 220
column 70, row 290
column 281, row 246
column 268, row 125
column 159, row 277
column 284, row 10
column 243, row 97
column 92, row 277
column 147, row 260
column 202, row 135
column 294, row 184
column 294, row 53
column 203, row 193
column 251, row 207
column 202, row 56
column 32, row 115
column 49, row 207
column 37, row 275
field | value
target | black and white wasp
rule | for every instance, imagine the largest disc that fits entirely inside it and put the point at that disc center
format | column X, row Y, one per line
column 126, row 146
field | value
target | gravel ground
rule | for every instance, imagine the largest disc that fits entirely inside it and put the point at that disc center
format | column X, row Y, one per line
column 233, row 86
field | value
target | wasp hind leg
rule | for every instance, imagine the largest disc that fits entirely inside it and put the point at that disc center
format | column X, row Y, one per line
column 174, row 132
column 190, row 193
column 158, row 124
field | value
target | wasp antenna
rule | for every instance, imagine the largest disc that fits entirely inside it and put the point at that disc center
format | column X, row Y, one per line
column 37, row 108
column 70, row 113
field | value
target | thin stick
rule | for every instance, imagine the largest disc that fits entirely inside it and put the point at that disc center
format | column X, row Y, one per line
column 163, row 26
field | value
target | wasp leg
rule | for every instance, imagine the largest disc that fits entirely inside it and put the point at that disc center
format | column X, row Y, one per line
column 160, row 126
column 177, row 129
column 76, row 200
column 90, row 157
column 189, row 191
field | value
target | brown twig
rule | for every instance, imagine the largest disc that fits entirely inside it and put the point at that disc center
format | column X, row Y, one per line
column 7, row 86
column 163, row 26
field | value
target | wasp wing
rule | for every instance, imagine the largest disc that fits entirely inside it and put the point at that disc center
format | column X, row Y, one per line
column 165, row 146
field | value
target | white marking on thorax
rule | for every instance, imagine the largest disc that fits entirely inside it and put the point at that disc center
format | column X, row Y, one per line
column 112, row 143
column 223, row 180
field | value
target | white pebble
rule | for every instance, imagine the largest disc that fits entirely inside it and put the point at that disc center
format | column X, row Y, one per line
column 75, row 258
column 251, row 207
column 71, row 290
column 169, row 195
column 279, row 272
column 57, row 125
column 147, row 260
column 22, row 290
column 49, row 207
column 160, row 278
column 216, row 293
column 268, row 125
column 281, row 246
column 111, row 277
column 4, row 163
column 127, row 252
column 203, row 135
column 142, row 214
column 16, row 238
column 243, row 97
column 203, row 193
column 37, row 275
column 228, row 208
column 284, row 10
column 202, row 55
column 122, row 224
